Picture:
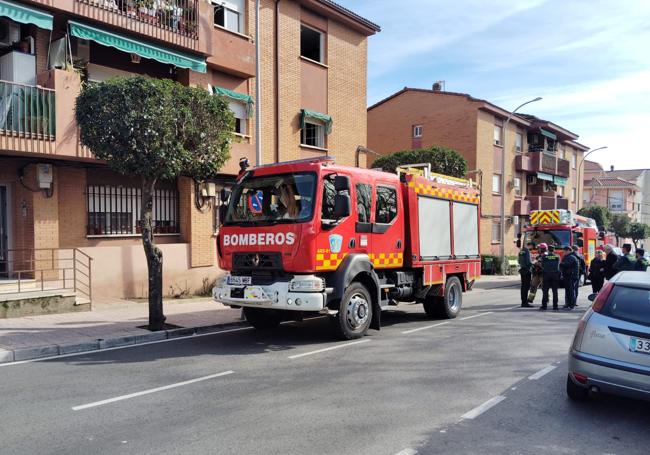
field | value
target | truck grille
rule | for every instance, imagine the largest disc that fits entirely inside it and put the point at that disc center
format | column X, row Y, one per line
column 257, row 261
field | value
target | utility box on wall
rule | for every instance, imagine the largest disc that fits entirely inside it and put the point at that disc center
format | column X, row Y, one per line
column 44, row 176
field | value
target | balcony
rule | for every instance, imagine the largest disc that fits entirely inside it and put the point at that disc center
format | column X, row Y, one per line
column 547, row 203
column 522, row 207
column 232, row 52
column 27, row 118
column 174, row 21
column 535, row 162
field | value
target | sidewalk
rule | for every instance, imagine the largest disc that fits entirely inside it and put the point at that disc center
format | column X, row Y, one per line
column 488, row 282
column 109, row 324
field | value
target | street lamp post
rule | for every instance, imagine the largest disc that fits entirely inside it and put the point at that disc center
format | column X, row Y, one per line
column 580, row 167
column 502, row 227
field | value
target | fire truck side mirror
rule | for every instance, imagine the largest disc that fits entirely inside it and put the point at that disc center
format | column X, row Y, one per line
column 341, row 183
column 224, row 195
column 580, row 243
column 601, row 235
column 342, row 206
column 518, row 242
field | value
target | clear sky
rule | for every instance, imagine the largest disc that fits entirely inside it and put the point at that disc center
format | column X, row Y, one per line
column 588, row 59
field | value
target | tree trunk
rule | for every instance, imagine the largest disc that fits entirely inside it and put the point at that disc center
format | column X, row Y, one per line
column 154, row 257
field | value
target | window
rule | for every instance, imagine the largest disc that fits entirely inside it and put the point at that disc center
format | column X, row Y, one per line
column 562, row 153
column 629, row 304
column 574, row 194
column 519, row 142
column 574, row 160
column 115, row 210
column 517, row 183
column 329, row 196
column 312, row 44
column 386, row 209
column 364, row 202
column 241, row 117
column 616, row 200
column 586, row 196
column 496, row 231
column 496, row 183
column 560, row 191
column 417, row 131
column 497, row 135
column 230, row 14
column 313, row 134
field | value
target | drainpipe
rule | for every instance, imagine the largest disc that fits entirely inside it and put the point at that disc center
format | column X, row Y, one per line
column 258, row 110
column 277, row 80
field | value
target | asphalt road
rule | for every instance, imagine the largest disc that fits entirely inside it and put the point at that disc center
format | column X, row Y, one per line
column 490, row 381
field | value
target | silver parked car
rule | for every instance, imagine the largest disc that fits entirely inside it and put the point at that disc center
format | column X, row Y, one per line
column 611, row 347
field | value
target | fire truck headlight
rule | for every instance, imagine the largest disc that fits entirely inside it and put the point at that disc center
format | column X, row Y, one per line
column 307, row 284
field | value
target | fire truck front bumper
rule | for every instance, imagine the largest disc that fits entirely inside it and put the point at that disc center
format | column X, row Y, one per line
column 301, row 293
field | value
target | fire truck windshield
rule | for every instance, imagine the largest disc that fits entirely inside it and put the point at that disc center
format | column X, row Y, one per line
column 271, row 199
column 556, row 237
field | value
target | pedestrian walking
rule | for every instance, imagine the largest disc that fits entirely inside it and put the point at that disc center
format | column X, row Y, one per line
column 526, row 273
column 626, row 261
column 550, row 263
column 583, row 270
column 570, row 267
column 641, row 264
column 597, row 272
column 610, row 260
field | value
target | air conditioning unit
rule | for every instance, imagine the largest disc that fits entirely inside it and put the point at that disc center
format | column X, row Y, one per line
column 58, row 53
column 9, row 32
column 532, row 180
column 515, row 220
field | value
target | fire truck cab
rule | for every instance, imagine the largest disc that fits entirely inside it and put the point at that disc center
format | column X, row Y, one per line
column 310, row 237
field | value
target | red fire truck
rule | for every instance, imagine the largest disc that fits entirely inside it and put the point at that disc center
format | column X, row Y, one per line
column 310, row 237
column 562, row 228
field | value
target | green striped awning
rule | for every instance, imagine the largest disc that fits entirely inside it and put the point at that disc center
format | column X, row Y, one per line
column 306, row 114
column 548, row 134
column 543, row 176
column 241, row 97
column 25, row 14
column 559, row 181
column 141, row 48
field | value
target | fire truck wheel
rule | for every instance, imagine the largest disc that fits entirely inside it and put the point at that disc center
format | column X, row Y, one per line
column 261, row 318
column 449, row 306
column 355, row 313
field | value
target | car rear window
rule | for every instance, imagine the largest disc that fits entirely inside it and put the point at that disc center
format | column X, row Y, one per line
column 629, row 304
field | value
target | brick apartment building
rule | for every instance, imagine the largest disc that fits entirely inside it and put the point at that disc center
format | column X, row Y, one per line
column 621, row 191
column 55, row 196
column 541, row 157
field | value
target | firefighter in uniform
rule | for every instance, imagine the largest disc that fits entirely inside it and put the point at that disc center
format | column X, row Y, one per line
column 570, row 266
column 641, row 264
column 526, row 272
column 550, row 277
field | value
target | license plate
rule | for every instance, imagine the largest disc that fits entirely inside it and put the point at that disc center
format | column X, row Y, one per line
column 239, row 280
column 640, row 345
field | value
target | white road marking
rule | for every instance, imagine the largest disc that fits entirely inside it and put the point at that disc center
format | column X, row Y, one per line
column 542, row 372
column 407, row 451
column 424, row 328
column 475, row 316
column 331, row 348
column 477, row 411
column 147, row 392
column 130, row 346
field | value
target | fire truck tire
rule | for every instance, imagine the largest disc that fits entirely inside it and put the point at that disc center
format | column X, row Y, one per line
column 262, row 319
column 355, row 313
column 449, row 306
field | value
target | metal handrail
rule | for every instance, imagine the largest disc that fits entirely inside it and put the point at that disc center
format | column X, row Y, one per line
column 49, row 267
column 27, row 110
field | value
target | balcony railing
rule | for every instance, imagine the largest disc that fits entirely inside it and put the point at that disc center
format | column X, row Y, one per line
column 544, row 162
column 547, row 203
column 178, row 17
column 522, row 207
column 27, row 111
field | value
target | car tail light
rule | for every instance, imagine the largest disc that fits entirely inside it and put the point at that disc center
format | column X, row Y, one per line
column 602, row 297
column 577, row 339
column 581, row 378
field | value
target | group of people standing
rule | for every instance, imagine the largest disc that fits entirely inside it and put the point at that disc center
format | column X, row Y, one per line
column 550, row 270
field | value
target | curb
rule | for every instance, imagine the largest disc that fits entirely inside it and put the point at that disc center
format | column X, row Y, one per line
column 54, row 350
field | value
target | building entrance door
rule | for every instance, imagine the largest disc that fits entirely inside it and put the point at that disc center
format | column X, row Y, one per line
column 4, row 233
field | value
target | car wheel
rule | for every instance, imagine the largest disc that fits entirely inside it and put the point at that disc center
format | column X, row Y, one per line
column 574, row 391
column 355, row 313
column 262, row 318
